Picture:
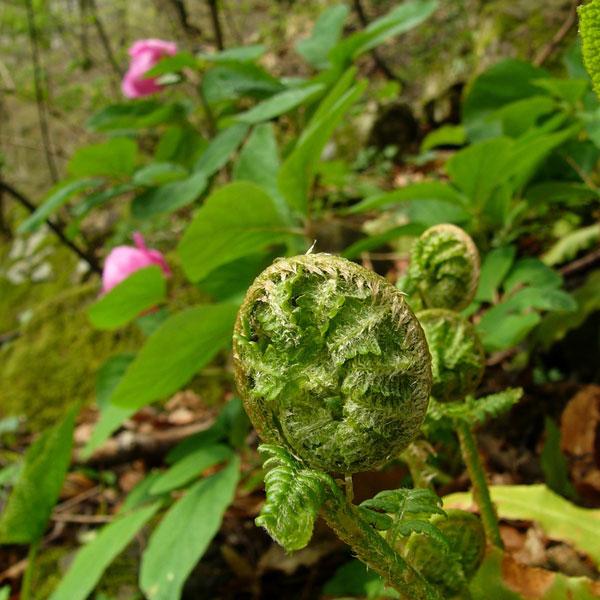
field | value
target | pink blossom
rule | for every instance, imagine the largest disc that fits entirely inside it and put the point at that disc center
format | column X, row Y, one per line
column 125, row 260
column 144, row 55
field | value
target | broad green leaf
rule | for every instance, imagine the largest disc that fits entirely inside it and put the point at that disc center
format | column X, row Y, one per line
column 226, row 82
column 531, row 272
column 180, row 144
column 480, row 168
column 571, row 193
column 5, row 592
column 376, row 241
column 324, row 36
column 280, row 103
column 589, row 27
column 559, row 519
column 58, row 196
column 95, row 557
column 109, row 375
column 567, row 247
column 218, row 151
column 356, row 579
column 397, row 21
column 236, row 54
column 520, row 116
column 554, row 464
column 172, row 64
column 26, row 513
column 423, row 190
column 259, row 161
column 190, row 467
column 236, row 220
column 447, row 135
column 184, row 534
column 297, row 171
column 502, row 329
column 140, row 291
column 571, row 90
column 503, row 83
column 494, row 268
column 96, row 199
column 169, row 197
column 159, row 173
column 429, row 212
column 177, row 350
column 136, row 115
column 542, row 298
column 114, row 158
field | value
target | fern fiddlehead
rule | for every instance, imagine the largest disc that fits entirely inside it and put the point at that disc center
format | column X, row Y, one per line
column 335, row 374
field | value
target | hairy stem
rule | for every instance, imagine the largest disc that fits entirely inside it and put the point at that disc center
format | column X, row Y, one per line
column 481, row 492
column 374, row 551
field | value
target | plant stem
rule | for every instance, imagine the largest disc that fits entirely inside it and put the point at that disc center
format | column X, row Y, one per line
column 28, row 576
column 481, row 491
column 216, row 23
column 370, row 547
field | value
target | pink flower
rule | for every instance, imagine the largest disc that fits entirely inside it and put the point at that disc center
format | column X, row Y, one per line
column 144, row 55
column 125, row 260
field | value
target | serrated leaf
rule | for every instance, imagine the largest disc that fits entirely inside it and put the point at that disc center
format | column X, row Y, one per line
column 94, row 558
column 407, row 527
column 185, row 533
column 178, row 349
column 405, row 501
column 238, row 219
column 140, row 291
column 558, row 518
column 57, row 197
column 492, row 406
column 567, row 247
column 29, row 506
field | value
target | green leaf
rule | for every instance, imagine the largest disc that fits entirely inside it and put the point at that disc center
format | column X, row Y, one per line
column 447, row 135
column 226, row 82
column 324, row 36
column 169, row 197
column 95, row 557
column 180, row 144
column 532, row 272
column 218, row 151
column 397, row 21
column 171, row 356
column 495, row 267
column 554, row 464
column 238, row 54
column 295, row 495
column 135, row 115
column 100, row 198
column 571, row 90
column 141, row 290
column 109, row 375
column 184, row 534
column 376, row 241
column 297, row 172
column 567, row 247
column 280, row 103
column 542, row 298
column 114, row 158
column 58, row 196
column 356, row 579
column 236, row 220
column 5, row 592
column 26, row 513
column 159, row 173
column 589, row 27
column 558, row 518
column 423, row 190
column 190, row 467
column 405, row 501
column 501, row 331
column 172, row 64
column 259, row 161
column 489, row 407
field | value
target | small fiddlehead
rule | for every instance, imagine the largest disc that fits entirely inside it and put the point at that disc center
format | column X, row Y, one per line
column 331, row 363
column 444, row 268
column 457, row 357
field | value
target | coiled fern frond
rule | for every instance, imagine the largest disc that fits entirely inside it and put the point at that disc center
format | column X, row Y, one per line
column 457, row 357
column 331, row 363
column 444, row 268
column 589, row 26
column 295, row 494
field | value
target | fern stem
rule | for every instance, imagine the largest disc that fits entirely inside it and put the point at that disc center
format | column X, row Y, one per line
column 372, row 549
column 481, row 491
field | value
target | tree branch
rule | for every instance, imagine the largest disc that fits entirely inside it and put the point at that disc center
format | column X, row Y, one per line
column 214, row 15
column 549, row 49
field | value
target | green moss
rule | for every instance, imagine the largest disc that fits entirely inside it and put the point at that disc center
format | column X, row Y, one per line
column 53, row 364
column 331, row 363
column 457, row 358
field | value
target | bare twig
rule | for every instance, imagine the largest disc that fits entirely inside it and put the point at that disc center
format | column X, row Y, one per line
column 39, row 93
column 581, row 264
column 84, row 519
column 104, row 38
column 72, row 502
column 548, row 50
column 216, row 23
column 56, row 227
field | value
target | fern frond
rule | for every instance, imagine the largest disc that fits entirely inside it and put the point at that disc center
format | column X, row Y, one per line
column 589, row 26
column 295, row 494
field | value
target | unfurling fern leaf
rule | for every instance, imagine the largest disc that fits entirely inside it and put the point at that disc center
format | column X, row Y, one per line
column 444, row 268
column 589, row 26
column 295, row 494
